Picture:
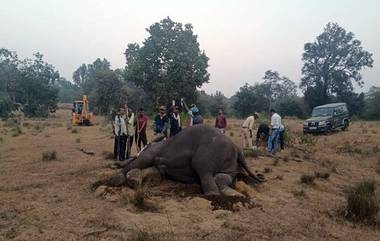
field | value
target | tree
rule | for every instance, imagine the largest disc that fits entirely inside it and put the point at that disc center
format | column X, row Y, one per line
column 36, row 88
column 332, row 63
column 85, row 75
column 30, row 82
column 68, row 91
column 291, row 106
column 250, row 99
column 278, row 87
column 108, row 85
column 169, row 64
column 217, row 101
column 372, row 103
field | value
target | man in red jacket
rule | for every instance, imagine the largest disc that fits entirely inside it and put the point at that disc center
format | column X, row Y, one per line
column 221, row 122
column 142, row 122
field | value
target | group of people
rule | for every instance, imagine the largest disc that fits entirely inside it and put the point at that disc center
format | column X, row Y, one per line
column 129, row 126
column 272, row 134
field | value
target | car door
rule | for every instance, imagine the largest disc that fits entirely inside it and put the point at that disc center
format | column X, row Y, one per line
column 336, row 117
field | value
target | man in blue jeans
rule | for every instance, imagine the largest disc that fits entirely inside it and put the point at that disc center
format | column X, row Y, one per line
column 274, row 134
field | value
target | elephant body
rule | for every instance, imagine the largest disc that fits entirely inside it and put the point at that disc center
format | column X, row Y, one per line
column 197, row 154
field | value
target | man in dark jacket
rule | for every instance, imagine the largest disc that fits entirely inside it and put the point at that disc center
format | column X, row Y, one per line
column 161, row 123
column 262, row 133
column 175, row 121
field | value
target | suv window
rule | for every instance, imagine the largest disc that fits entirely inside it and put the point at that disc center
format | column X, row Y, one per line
column 322, row 112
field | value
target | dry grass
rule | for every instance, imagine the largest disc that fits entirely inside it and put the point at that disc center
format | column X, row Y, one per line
column 64, row 209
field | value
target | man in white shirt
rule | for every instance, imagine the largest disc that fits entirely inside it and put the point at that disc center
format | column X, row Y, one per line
column 120, row 131
column 248, row 127
column 275, row 125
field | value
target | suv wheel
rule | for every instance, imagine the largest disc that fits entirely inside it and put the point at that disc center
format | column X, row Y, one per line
column 328, row 129
column 345, row 126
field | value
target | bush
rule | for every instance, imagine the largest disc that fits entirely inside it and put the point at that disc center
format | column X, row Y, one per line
column 362, row 204
column 307, row 179
column 49, row 155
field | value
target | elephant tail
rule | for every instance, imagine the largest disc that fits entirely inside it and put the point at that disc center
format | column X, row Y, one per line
column 241, row 161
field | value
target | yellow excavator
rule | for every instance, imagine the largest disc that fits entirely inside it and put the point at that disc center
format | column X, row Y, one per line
column 81, row 114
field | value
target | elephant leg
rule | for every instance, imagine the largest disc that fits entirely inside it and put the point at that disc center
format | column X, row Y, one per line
column 224, row 182
column 208, row 185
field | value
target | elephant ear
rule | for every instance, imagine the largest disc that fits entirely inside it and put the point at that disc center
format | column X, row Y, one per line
column 158, row 138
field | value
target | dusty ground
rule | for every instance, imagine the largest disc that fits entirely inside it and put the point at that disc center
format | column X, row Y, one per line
column 52, row 199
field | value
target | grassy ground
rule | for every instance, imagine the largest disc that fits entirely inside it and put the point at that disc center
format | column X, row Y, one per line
column 46, row 178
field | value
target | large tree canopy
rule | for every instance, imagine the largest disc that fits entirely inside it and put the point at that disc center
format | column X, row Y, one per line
column 30, row 82
column 169, row 64
column 85, row 75
column 331, row 64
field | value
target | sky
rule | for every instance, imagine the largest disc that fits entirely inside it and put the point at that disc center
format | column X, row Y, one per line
column 242, row 38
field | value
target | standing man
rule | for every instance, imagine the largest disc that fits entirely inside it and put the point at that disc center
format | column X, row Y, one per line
column 161, row 123
column 248, row 126
column 275, row 125
column 120, row 131
column 142, row 122
column 195, row 117
column 131, row 122
column 175, row 121
column 221, row 122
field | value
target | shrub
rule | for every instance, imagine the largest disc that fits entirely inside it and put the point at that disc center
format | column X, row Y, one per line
column 77, row 140
column 307, row 179
column 75, row 131
column 362, row 204
column 49, row 155
column 308, row 139
column 138, row 198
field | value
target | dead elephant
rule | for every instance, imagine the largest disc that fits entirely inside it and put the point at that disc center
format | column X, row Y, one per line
column 197, row 154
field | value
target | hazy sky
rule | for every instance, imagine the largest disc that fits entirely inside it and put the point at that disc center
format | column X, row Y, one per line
column 242, row 38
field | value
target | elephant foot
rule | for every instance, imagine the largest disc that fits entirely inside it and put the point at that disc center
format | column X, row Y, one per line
column 136, row 177
column 230, row 192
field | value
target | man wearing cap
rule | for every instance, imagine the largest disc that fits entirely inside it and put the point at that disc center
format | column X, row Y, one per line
column 195, row 117
column 248, row 126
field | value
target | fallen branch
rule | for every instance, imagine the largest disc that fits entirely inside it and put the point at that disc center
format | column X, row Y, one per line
column 95, row 232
